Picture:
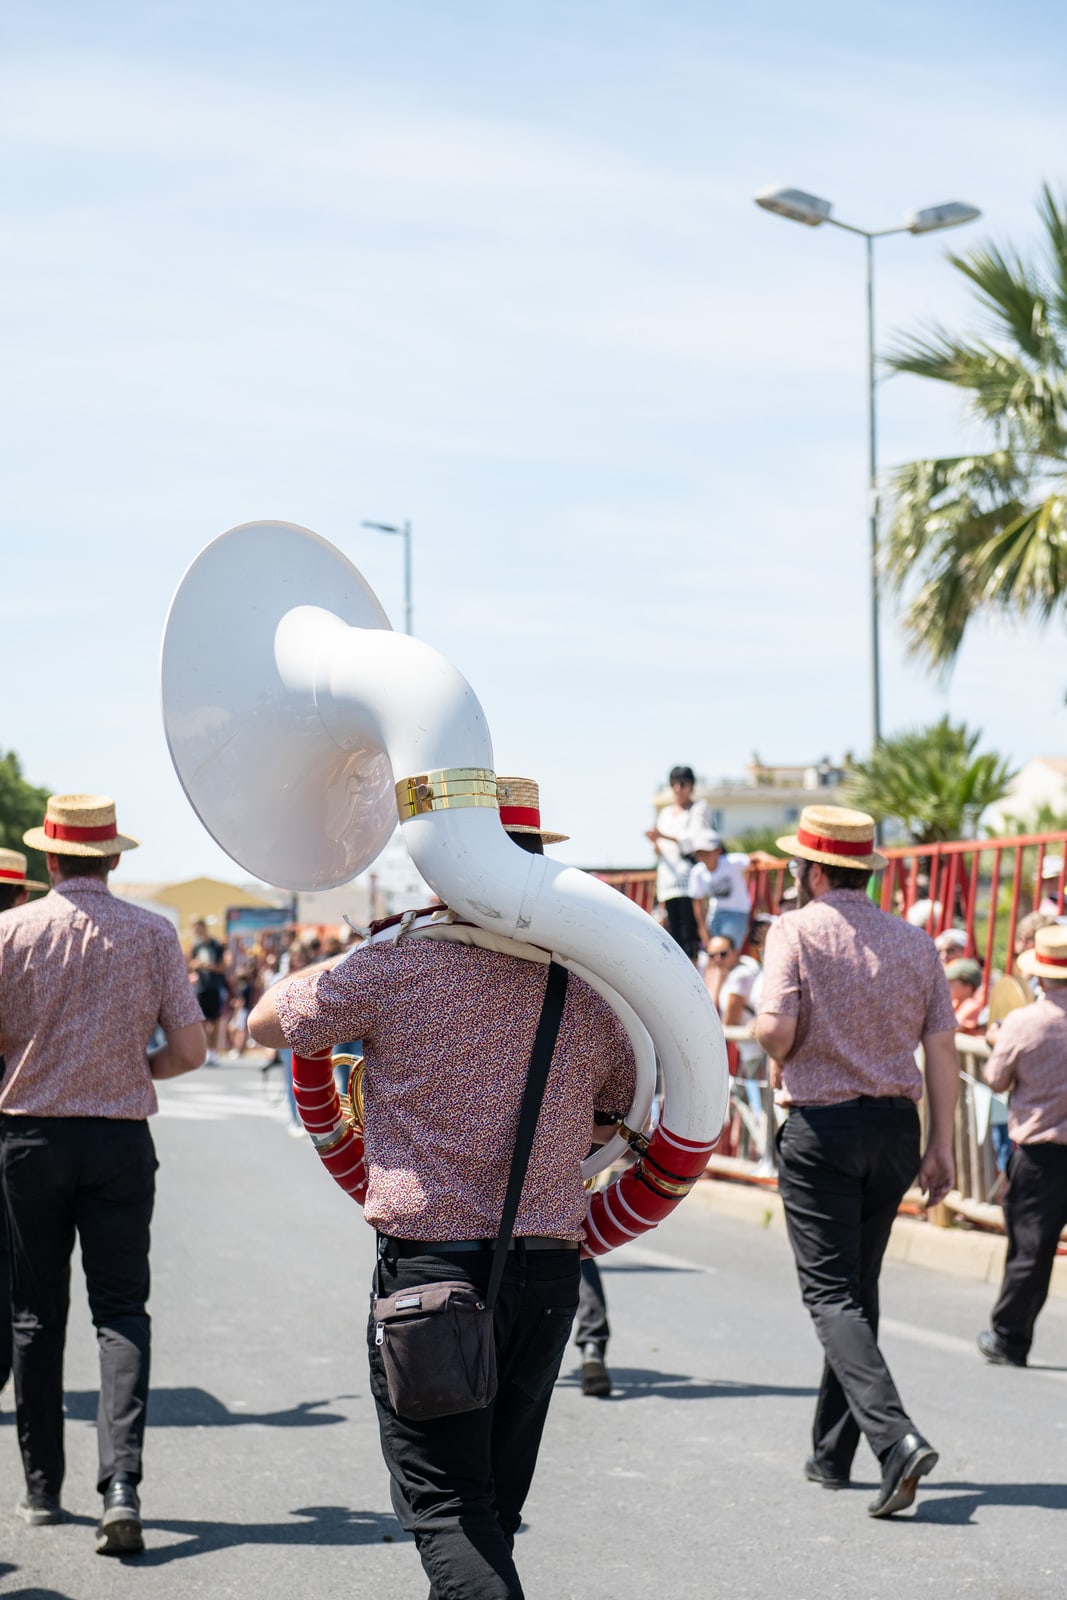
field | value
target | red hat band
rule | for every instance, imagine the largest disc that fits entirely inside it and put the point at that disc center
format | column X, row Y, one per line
column 835, row 847
column 63, row 830
column 520, row 817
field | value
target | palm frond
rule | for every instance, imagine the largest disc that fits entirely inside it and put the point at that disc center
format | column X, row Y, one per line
column 1020, row 401
column 989, row 532
column 1053, row 214
column 1023, row 567
column 930, row 779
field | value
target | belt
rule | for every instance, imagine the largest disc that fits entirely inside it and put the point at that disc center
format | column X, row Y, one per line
column 456, row 1247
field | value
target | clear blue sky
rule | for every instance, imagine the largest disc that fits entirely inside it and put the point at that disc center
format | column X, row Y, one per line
column 496, row 268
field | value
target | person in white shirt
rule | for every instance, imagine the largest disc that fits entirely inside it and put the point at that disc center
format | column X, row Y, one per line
column 672, row 838
column 718, row 887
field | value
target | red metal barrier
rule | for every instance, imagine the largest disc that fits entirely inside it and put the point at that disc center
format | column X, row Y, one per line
column 967, row 887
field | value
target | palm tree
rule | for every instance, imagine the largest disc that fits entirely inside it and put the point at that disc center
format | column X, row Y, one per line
column 988, row 533
column 931, row 780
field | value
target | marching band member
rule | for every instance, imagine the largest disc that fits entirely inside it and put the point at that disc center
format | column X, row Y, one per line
column 14, row 891
column 75, row 1151
column 447, row 1031
column 848, row 995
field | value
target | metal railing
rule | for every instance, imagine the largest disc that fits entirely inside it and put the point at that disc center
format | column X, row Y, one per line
column 983, row 886
column 746, row 1148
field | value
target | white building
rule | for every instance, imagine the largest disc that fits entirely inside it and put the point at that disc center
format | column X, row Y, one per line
column 1041, row 782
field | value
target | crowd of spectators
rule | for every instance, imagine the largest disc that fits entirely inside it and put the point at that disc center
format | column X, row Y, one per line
column 230, row 977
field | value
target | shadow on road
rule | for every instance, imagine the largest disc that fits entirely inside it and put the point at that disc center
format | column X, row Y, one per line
column 195, row 1408
column 326, row 1525
column 35, row 1593
column 635, row 1383
column 960, row 1509
column 645, row 1266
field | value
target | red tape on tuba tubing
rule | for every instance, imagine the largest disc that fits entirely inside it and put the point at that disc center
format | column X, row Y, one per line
column 319, row 1107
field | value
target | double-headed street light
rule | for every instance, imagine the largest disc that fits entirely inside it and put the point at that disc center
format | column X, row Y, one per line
column 404, row 530
column 809, row 209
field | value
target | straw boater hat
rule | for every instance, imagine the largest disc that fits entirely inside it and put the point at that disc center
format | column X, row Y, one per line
column 1048, row 958
column 520, row 808
column 79, row 825
column 835, row 837
column 13, row 871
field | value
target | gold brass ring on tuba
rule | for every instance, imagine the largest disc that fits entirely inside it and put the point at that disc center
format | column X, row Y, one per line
column 352, row 1102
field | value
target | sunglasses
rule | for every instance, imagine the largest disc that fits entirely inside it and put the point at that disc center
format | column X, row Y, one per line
column 718, row 955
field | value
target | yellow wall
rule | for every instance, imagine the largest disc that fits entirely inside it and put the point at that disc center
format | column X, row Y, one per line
column 207, row 898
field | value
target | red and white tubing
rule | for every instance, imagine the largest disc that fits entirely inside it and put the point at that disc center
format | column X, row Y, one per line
column 644, row 1194
column 340, row 1148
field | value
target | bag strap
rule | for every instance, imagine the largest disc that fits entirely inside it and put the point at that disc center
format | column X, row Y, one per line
column 533, row 1094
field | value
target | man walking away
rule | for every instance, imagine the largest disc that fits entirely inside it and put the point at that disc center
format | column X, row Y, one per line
column 85, row 979
column 848, row 995
column 14, row 891
column 446, row 1025
column 1030, row 1058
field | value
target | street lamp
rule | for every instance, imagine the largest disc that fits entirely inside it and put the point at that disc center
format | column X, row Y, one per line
column 404, row 530
column 813, row 212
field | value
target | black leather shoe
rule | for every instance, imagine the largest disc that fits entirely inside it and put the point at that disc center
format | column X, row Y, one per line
column 910, row 1459
column 119, row 1533
column 824, row 1475
column 596, row 1379
column 40, row 1510
column 991, row 1346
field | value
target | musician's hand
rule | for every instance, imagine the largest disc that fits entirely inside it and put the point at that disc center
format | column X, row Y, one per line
column 937, row 1173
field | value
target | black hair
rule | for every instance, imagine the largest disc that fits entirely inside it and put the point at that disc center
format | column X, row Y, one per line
column 9, row 893
column 530, row 842
column 682, row 775
column 846, row 877
column 86, row 866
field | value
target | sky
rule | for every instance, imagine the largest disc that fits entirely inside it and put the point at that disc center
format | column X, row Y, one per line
column 496, row 269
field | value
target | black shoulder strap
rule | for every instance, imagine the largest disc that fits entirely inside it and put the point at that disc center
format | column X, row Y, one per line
column 533, row 1095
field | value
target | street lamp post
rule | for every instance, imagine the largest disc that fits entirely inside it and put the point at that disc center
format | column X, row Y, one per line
column 404, row 530
column 812, row 211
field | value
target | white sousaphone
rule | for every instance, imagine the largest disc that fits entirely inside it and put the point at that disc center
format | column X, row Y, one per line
column 301, row 726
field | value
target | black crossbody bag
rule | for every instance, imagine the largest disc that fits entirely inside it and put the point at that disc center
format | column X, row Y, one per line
column 436, row 1339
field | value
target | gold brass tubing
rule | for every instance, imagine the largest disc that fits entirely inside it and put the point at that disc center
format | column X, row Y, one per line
column 665, row 1185
column 447, row 789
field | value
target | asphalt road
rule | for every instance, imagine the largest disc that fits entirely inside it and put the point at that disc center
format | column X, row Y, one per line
column 264, row 1479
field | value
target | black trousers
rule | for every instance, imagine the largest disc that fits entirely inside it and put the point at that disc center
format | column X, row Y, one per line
column 5, row 1296
column 842, row 1172
column 682, row 923
column 591, row 1323
column 459, row 1483
column 1035, row 1211
column 93, row 1176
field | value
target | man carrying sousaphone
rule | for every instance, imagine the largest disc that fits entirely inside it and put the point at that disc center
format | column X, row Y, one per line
column 449, row 1033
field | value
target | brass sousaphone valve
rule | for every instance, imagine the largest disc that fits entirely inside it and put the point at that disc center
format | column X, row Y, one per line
column 352, row 1102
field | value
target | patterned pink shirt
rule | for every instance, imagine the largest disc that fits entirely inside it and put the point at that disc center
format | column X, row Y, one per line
column 447, row 1031
column 865, row 989
column 84, row 978
column 1030, row 1059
